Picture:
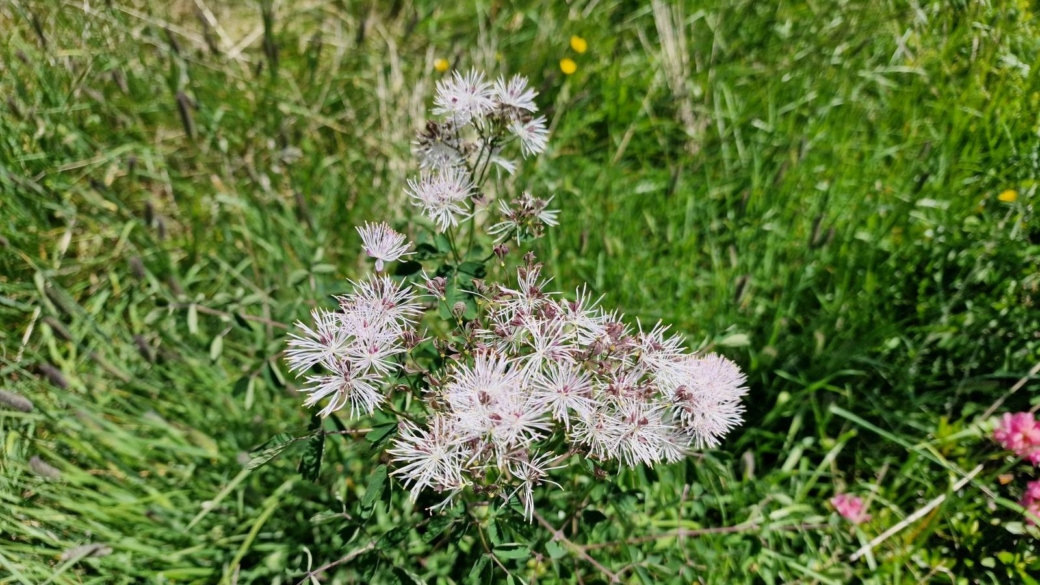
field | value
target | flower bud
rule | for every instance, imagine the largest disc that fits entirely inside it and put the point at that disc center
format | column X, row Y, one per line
column 436, row 286
column 501, row 250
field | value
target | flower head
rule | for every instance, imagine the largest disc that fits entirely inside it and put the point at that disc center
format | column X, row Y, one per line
column 579, row 44
column 566, row 391
column 706, row 394
column 532, row 133
column 322, row 345
column 514, row 95
column 851, row 508
column 441, row 195
column 428, row 458
column 345, row 386
column 381, row 242
column 1031, row 502
column 1009, row 196
column 463, row 97
column 1020, row 433
column 568, row 66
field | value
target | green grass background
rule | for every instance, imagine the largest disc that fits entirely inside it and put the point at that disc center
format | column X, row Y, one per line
column 809, row 187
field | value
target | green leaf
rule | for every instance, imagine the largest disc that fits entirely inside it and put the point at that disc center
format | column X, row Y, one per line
column 324, row 517
column 437, row 527
column 492, row 531
column 193, row 319
column 297, row 276
column 276, row 374
column 591, row 517
column 474, row 269
column 735, row 340
column 310, row 461
column 513, row 552
column 380, row 432
column 269, row 450
column 245, row 386
column 407, row 268
column 555, row 550
column 323, row 269
column 397, row 535
column 471, row 309
column 405, row 576
column 426, row 251
column 477, row 570
column 216, row 347
column 242, row 321
column 241, row 386
column 375, row 488
column 443, row 243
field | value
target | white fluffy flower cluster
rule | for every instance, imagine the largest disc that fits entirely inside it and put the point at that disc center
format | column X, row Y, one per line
column 536, row 368
column 526, row 379
column 357, row 346
column 479, row 120
column 544, row 368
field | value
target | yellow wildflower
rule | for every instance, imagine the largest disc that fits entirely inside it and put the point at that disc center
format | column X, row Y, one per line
column 441, row 65
column 578, row 44
column 568, row 66
column 1009, row 196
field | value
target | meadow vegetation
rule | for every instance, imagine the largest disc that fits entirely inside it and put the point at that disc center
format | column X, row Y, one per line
column 839, row 195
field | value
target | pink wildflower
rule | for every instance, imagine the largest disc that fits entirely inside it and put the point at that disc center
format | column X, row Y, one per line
column 1020, row 433
column 850, row 508
column 1031, row 501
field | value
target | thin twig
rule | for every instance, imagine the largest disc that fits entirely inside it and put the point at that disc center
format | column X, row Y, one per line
column 697, row 532
column 219, row 313
column 1018, row 385
column 350, row 432
column 350, row 556
column 913, row 517
column 575, row 548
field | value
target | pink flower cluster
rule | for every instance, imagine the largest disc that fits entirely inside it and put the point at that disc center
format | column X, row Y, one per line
column 851, row 508
column 1020, row 433
column 1031, row 501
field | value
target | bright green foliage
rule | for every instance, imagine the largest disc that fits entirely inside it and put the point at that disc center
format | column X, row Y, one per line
column 813, row 190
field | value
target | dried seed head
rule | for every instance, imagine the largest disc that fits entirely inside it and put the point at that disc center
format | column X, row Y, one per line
column 86, row 550
column 15, row 401
column 458, row 308
column 43, row 469
column 137, row 267
column 54, row 375
column 144, row 348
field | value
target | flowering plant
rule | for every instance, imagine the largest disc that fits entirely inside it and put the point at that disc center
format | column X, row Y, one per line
column 509, row 380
